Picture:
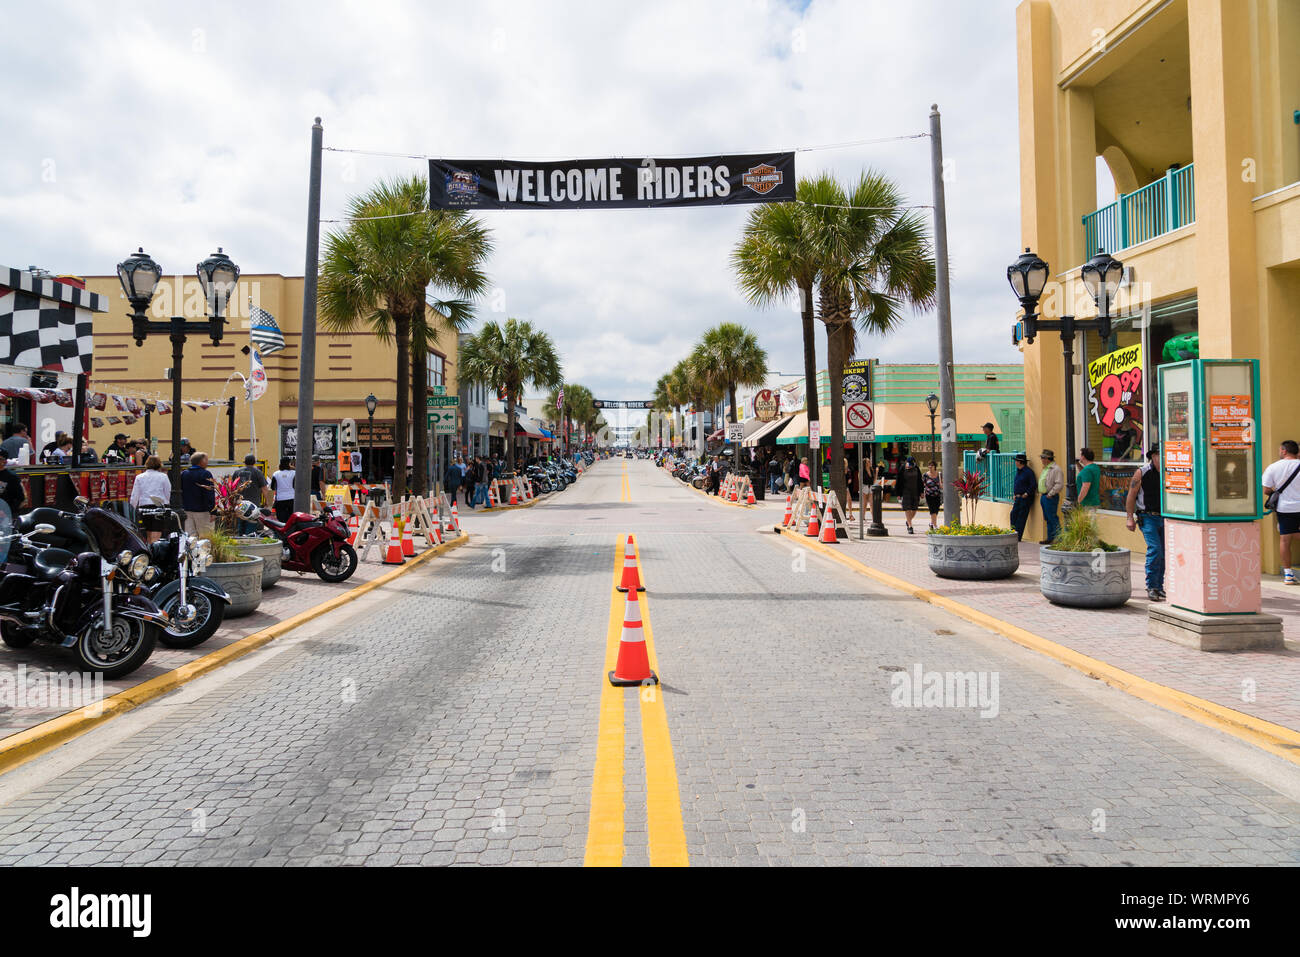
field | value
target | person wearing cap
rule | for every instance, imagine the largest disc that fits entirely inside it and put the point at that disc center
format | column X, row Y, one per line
column 1143, row 508
column 187, row 450
column 1022, row 495
column 117, row 454
column 1050, row 483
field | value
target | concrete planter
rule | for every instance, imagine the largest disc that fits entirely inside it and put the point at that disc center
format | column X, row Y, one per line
column 242, row 581
column 271, row 553
column 973, row 557
column 1086, row 579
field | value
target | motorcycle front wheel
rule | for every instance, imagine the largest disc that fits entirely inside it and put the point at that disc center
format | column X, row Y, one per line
column 208, row 614
column 118, row 650
column 331, row 567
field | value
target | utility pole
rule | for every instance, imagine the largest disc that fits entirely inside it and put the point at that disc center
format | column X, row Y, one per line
column 302, row 489
column 947, row 395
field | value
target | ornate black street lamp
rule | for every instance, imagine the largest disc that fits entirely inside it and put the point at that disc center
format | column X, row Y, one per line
column 932, row 403
column 371, row 404
column 1101, row 277
column 139, row 276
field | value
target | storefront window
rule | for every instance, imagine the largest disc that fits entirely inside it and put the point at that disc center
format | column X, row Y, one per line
column 437, row 369
column 1120, row 386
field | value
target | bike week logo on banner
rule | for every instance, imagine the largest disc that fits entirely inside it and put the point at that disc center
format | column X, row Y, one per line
column 1115, row 390
column 612, row 183
column 857, row 381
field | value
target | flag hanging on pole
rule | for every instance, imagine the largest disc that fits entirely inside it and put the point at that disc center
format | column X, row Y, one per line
column 263, row 332
column 559, row 399
column 256, row 385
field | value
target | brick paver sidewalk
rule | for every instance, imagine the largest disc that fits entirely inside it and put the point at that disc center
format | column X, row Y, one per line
column 1265, row 684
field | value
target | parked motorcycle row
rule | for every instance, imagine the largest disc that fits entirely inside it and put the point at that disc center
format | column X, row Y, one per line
column 86, row 580
column 556, row 475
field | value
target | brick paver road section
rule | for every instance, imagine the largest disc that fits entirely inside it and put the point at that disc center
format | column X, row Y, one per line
column 455, row 721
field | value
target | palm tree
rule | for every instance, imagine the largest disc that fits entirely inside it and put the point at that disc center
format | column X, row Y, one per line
column 662, row 402
column 731, row 356
column 377, row 270
column 775, row 259
column 873, row 257
column 703, row 390
column 678, row 380
column 578, row 407
column 507, row 359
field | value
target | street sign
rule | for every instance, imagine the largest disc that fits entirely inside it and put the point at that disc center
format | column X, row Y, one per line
column 442, row 402
column 859, row 435
column 439, row 389
column 443, row 423
column 860, row 419
column 815, row 434
column 735, row 431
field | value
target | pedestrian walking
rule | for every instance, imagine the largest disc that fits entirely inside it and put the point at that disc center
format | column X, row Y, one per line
column 850, row 487
column 1022, row 491
column 150, row 484
column 1143, row 507
column 932, row 486
column 907, row 486
column 198, row 497
column 1050, row 483
column 254, row 490
column 1282, row 498
column 805, row 473
column 451, row 481
column 282, row 484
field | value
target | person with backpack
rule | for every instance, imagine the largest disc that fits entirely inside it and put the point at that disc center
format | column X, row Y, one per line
column 1282, row 498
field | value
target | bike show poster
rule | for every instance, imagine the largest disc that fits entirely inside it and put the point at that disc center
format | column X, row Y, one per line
column 1178, row 467
column 325, row 441
column 1115, row 390
column 626, row 183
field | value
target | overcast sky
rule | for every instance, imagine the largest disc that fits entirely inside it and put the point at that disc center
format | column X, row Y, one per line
column 185, row 125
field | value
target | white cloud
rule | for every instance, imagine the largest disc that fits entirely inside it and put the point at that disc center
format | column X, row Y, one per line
column 183, row 128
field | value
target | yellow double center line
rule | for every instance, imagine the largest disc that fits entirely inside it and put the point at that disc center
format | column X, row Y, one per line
column 666, row 833
column 627, row 488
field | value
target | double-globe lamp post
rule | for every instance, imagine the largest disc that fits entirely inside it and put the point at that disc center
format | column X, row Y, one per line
column 1101, row 276
column 371, row 404
column 139, row 276
column 932, row 403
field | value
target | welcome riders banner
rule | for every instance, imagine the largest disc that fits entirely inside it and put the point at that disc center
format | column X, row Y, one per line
column 612, row 183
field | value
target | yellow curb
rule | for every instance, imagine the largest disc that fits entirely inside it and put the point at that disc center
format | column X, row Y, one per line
column 1274, row 738
column 18, row 749
column 716, row 499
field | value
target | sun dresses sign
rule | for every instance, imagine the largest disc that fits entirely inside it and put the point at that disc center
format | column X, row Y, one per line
column 612, row 183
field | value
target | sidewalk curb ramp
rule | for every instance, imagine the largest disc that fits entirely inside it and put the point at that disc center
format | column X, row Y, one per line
column 1270, row 737
column 18, row 749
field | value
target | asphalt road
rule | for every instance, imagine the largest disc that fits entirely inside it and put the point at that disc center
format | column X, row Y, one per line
column 806, row 715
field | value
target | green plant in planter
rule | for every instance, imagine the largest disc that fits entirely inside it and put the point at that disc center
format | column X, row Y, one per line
column 224, row 547
column 971, row 486
column 957, row 528
column 1079, row 533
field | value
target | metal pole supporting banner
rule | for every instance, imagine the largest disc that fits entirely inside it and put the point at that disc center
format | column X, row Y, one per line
column 861, row 498
column 947, row 396
column 302, row 490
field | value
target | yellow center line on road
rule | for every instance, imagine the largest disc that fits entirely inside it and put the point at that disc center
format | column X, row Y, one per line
column 666, row 832
column 605, row 822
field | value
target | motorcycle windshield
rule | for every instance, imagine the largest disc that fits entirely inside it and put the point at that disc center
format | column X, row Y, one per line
column 112, row 534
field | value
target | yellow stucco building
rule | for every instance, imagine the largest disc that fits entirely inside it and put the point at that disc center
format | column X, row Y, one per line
column 1193, row 109
column 349, row 366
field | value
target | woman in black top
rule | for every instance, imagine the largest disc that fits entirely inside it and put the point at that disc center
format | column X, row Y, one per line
column 908, row 487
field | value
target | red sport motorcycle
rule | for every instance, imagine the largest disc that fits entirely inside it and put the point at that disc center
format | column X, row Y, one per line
column 312, row 543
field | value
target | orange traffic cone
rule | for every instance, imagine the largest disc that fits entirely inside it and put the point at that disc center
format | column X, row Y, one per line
column 408, row 542
column 492, row 495
column 828, row 527
column 455, row 516
column 789, row 512
column 749, row 499
column 633, row 666
column 354, row 529
column 814, row 526
column 394, row 554
column 631, row 572
column 514, row 493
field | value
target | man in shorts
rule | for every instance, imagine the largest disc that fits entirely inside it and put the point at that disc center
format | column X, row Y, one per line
column 1281, row 477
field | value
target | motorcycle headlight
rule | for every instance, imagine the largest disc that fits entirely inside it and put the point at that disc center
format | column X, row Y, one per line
column 124, row 558
column 137, row 567
column 150, row 574
column 200, row 547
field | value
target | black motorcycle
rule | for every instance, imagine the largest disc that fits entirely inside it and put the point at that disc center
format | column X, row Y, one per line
column 195, row 606
column 75, row 581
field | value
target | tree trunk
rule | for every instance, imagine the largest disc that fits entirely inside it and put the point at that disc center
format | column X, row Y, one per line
column 810, row 377
column 731, row 394
column 835, row 358
column 419, row 421
column 510, row 432
column 402, row 330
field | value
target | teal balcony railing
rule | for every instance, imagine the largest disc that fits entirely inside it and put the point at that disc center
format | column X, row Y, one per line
column 999, row 468
column 1155, row 209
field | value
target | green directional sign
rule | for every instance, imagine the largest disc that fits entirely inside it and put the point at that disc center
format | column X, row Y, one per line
column 443, row 423
column 438, row 389
column 442, row 402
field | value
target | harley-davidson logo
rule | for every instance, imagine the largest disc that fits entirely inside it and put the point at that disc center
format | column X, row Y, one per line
column 762, row 178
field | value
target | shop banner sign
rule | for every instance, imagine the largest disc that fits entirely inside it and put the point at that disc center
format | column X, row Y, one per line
column 1115, row 389
column 612, row 183
column 856, row 385
column 1178, row 467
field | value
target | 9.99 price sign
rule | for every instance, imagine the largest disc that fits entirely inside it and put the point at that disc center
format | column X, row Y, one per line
column 1115, row 390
